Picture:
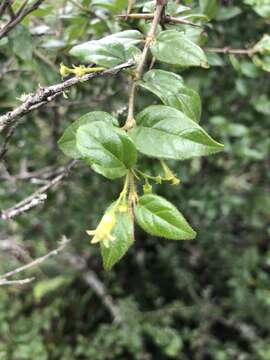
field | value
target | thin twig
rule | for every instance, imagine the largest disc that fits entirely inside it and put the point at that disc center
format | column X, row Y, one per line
column 149, row 16
column 16, row 282
column 19, row 16
column 228, row 50
column 3, row 7
column 96, row 284
column 7, row 139
column 43, row 174
column 44, row 95
column 10, row 11
column 175, row 20
column 37, row 197
column 35, row 262
column 160, row 5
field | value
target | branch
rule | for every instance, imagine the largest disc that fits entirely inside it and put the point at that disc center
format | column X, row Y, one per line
column 33, row 176
column 13, row 247
column 37, row 197
column 16, row 282
column 160, row 6
column 3, row 7
column 38, row 261
column 228, row 50
column 44, row 95
column 99, row 288
column 19, row 16
column 166, row 19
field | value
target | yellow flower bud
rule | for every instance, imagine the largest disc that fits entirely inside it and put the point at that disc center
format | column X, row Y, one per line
column 147, row 188
column 169, row 175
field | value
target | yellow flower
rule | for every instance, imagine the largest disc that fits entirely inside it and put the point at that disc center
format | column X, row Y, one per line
column 103, row 230
column 64, row 70
column 80, row 70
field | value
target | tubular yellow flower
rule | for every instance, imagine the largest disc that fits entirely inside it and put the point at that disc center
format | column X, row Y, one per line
column 64, row 70
column 79, row 71
column 103, row 230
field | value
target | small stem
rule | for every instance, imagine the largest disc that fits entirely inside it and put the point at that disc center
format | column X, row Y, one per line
column 139, row 70
column 132, row 196
column 123, row 193
column 145, row 176
column 136, row 16
column 175, row 20
column 130, row 118
column 228, row 50
column 150, row 37
column 149, row 16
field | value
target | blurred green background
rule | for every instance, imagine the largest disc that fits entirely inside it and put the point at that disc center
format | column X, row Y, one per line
column 202, row 299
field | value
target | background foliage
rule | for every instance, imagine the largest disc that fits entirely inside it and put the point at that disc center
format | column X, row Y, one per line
column 203, row 299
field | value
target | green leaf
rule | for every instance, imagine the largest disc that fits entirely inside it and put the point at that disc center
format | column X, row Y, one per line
column 263, row 46
column 45, row 287
column 261, row 51
column 215, row 59
column 262, row 62
column 114, row 6
column 172, row 8
column 124, row 238
column 261, row 104
column 227, row 13
column 21, row 42
column 109, row 149
column 109, row 51
column 159, row 217
column 175, row 48
column 209, row 7
column 164, row 132
column 170, row 89
column 67, row 142
column 262, row 7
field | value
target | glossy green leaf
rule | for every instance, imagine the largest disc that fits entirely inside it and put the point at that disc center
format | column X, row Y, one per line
column 173, row 47
column 109, row 149
column 164, row 132
column 159, row 217
column 170, row 89
column 110, row 50
column 124, row 238
column 67, row 142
